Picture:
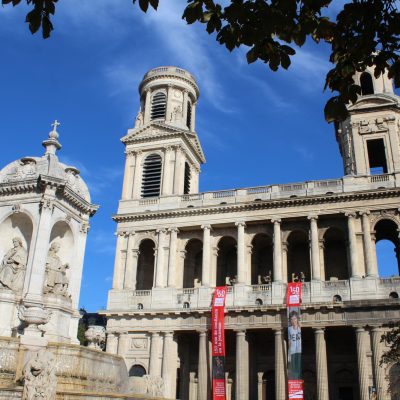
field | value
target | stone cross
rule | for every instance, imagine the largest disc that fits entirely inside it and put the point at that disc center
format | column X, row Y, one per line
column 55, row 124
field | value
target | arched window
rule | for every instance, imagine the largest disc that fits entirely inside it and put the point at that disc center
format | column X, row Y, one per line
column 367, row 86
column 189, row 115
column 298, row 257
column 137, row 370
column 151, row 182
column 193, row 264
column 335, row 255
column 261, row 259
column 226, row 261
column 159, row 106
column 145, row 269
column 186, row 187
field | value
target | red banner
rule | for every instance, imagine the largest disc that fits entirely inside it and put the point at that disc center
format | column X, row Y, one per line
column 218, row 343
column 294, row 367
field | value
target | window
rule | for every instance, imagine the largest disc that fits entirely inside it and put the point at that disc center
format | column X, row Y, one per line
column 367, row 86
column 151, row 181
column 186, row 188
column 158, row 106
column 137, row 370
column 189, row 115
column 377, row 156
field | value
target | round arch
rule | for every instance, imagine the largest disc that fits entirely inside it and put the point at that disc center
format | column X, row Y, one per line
column 226, row 261
column 261, row 259
column 145, row 268
column 298, row 255
column 335, row 255
column 137, row 370
column 387, row 247
column 193, row 263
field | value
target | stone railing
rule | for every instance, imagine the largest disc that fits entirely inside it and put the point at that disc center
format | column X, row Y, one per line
column 261, row 193
column 255, row 295
column 169, row 71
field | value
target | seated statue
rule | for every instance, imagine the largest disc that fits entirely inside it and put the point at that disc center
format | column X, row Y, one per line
column 295, row 278
column 12, row 269
column 56, row 272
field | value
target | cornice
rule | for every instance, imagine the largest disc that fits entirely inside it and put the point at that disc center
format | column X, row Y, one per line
column 259, row 205
column 157, row 76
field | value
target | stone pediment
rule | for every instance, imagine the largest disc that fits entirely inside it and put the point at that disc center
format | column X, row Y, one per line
column 375, row 101
column 159, row 131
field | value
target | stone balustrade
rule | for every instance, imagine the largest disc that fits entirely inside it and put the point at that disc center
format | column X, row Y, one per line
column 346, row 184
column 316, row 292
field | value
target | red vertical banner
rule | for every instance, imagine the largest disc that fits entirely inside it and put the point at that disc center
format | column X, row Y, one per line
column 218, row 343
column 294, row 367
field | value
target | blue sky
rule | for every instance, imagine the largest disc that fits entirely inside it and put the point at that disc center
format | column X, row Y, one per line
column 256, row 127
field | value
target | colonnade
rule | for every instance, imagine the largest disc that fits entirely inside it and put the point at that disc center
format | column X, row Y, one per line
column 168, row 242
column 163, row 359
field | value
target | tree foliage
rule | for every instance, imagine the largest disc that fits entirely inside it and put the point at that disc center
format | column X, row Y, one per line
column 363, row 33
column 391, row 357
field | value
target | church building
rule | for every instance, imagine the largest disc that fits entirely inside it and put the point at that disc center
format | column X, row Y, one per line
column 175, row 245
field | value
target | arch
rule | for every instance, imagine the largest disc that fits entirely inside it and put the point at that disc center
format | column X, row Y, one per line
column 387, row 247
column 62, row 234
column 366, row 83
column 151, row 178
column 394, row 382
column 192, row 269
column 189, row 115
column 188, row 176
column 137, row 370
column 335, row 255
column 158, row 106
column 298, row 256
column 145, row 268
column 261, row 259
column 226, row 261
column 19, row 226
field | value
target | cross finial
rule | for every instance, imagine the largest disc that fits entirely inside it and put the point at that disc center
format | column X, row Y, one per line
column 55, row 124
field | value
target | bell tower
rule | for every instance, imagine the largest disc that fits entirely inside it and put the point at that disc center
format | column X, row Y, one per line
column 163, row 152
column 369, row 137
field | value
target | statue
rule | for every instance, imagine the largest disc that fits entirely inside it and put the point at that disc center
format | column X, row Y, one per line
column 12, row 269
column 139, row 119
column 302, row 276
column 39, row 377
column 56, row 272
column 295, row 278
column 265, row 279
column 176, row 114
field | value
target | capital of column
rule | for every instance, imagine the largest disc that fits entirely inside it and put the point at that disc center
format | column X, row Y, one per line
column 319, row 331
column 276, row 220
column 359, row 329
column 183, row 253
column 278, row 332
column 155, row 334
column 364, row 212
column 240, row 223
column 240, row 332
column 206, row 226
column 161, row 231
column 202, row 332
column 312, row 217
column 168, row 334
column 350, row 214
column 173, row 229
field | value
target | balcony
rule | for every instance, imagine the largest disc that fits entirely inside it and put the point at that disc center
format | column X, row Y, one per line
column 253, row 296
column 261, row 193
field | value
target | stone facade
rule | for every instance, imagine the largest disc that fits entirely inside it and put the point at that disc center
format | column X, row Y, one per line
column 176, row 244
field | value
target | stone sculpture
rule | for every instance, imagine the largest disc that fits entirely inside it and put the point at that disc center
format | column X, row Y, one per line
column 56, row 272
column 12, row 269
column 96, row 337
column 155, row 385
column 139, row 119
column 39, row 377
column 176, row 114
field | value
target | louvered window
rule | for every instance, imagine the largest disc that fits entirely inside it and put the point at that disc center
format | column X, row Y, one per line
column 158, row 106
column 151, row 181
column 189, row 115
column 186, row 188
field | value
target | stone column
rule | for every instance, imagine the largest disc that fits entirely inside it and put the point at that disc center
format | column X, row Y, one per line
column 160, row 259
column 352, row 245
column 361, row 336
column 316, row 267
column 137, row 178
column 128, row 175
column 147, row 108
column 284, row 262
column 322, row 258
column 185, row 107
column 120, row 261
column 154, row 362
column 242, row 366
column 321, row 364
column 172, row 257
column 112, row 343
column 131, row 263
column 169, row 110
column 205, row 269
column 280, row 380
column 169, row 364
column 277, row 251
column 167, row 172
column 202, row 367
column 379, row 373
column 193, row 117
column 241, row 267
column 123, row 343
column 214, row 265
column 179, row 171
column 370, row 267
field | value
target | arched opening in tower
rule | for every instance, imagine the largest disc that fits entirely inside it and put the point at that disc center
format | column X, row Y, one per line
column 335, row 255
column 387, row 248
column 298, row 256
column 261, row 259
column 226, row 261
column 367, row 85
column 193, row 264
column 145, row 270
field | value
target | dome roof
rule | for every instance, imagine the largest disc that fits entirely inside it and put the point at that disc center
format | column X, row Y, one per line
column 28, row 168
